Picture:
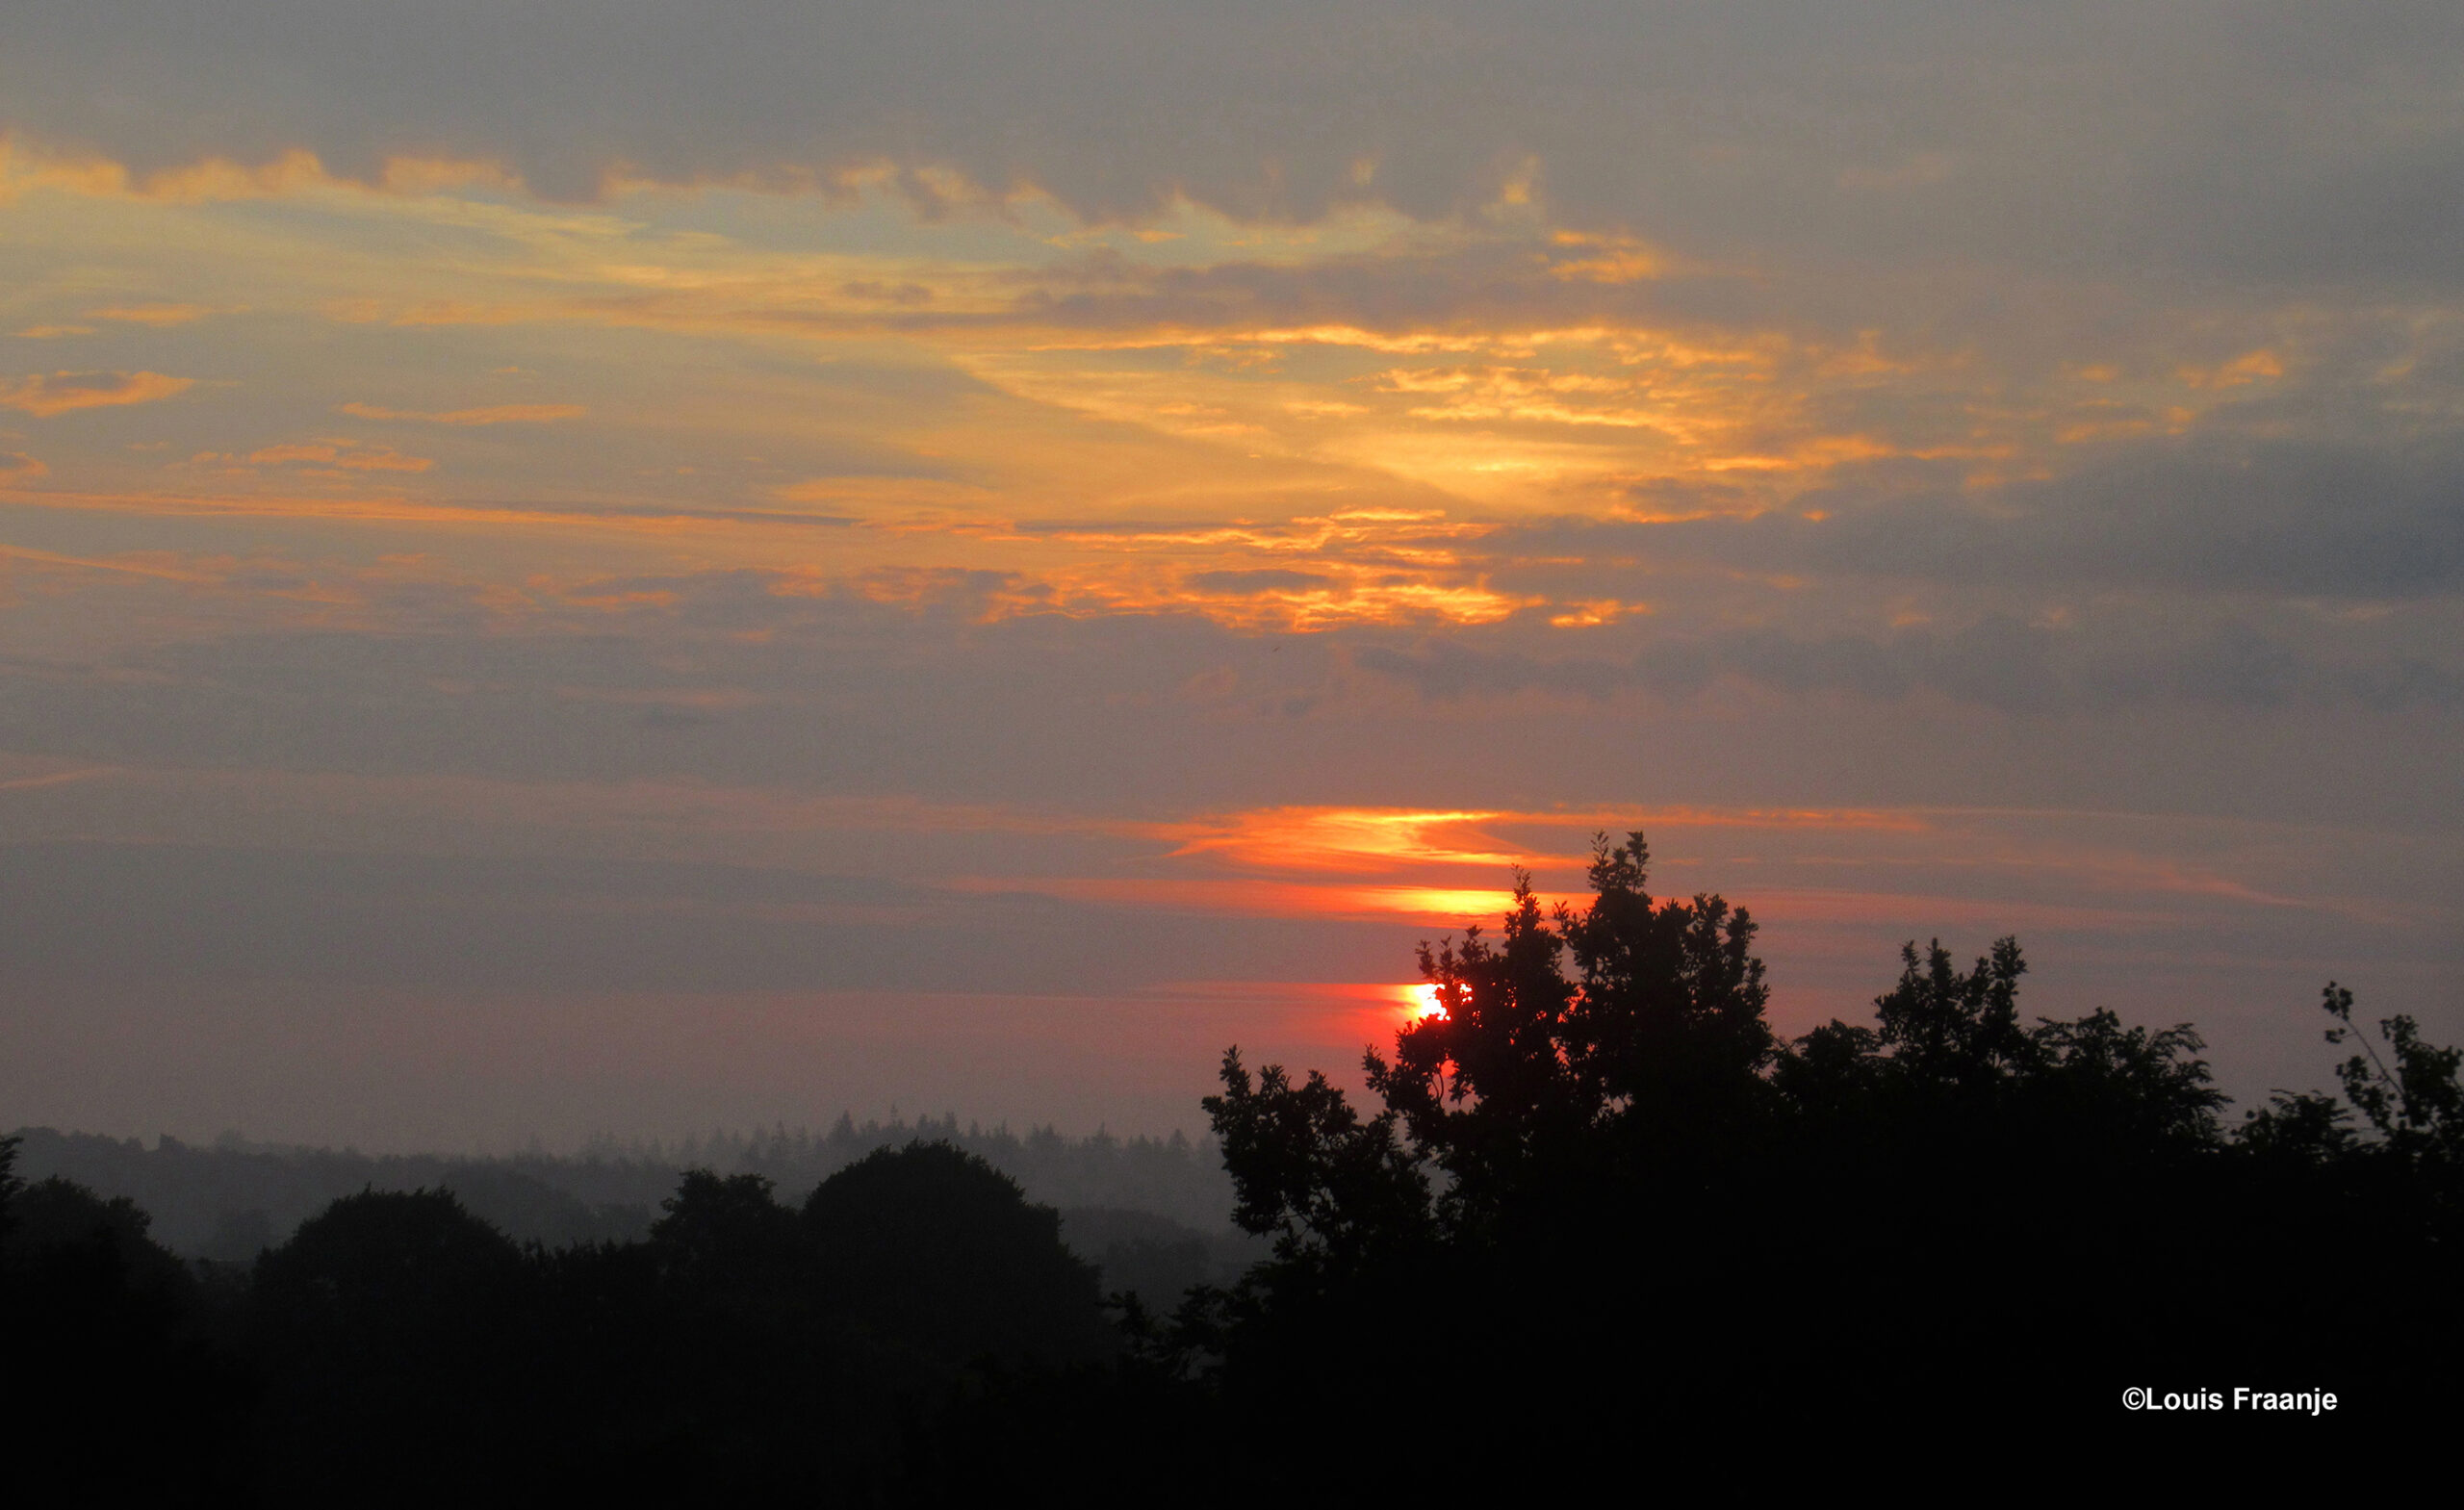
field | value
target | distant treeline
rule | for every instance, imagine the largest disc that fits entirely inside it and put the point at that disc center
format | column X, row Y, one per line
column 1603, row 1234
column 229, row 1199
column 396, row 1349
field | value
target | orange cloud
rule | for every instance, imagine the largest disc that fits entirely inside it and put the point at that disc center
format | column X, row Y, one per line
column 1592, row 612
column 19, row 467
column 1262, row 600
column 880, row 491
column 1610, row 259
column 1353, row 839
column 2249, row 367
column 161, row 566
column 1430, row 905
column 24, row 165
column 1372, row 841
column 157, row 314
column 53, row 332
column 345, row 510
column 43, row 396
column 19, row 783
column 498, row 414
column 215, row 178
column 444, row 312
column 337, row 452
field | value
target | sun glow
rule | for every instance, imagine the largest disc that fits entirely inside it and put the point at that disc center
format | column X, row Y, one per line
column 1358, row 839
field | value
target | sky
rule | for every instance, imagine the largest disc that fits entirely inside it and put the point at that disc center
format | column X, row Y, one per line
column 629, row 568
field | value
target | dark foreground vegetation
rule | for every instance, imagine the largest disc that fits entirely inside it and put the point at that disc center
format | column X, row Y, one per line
column 1600, row 1212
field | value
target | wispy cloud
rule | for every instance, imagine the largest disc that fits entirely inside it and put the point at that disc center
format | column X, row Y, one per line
column 493, row 413
column 44, row 395
column 332, row 456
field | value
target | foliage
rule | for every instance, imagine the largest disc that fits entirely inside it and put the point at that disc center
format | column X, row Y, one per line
column 2417, row 1107
column 2413, row 1110
column 1949, row 1048
column 1658, row 1044
column 1599, row 1124
column 1308, row 1171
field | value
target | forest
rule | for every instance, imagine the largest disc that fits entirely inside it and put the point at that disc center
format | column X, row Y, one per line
column 1597, row 1204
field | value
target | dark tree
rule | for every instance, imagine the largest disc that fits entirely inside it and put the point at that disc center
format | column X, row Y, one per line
column 934, row 1247
column 114, row 1382
column 728, row 1234
column 392, row 1318
column 1562, row 1167
column 1597, row 1174
column 2416, row 1108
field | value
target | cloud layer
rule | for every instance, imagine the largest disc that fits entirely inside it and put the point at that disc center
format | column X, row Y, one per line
column 768, row 533
column 2265, row 141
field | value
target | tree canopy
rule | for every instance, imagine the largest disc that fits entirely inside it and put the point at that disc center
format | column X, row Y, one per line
column 1597, row 1161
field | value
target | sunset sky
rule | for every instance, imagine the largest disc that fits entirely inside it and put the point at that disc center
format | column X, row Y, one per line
column 633, row 567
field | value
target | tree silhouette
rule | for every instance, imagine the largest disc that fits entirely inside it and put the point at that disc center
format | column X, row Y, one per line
column 728, row 1234
column 1596, row 1162
column 97, row 1323
column 1601, row 1226
column 934, row 1247
column 1556, row 1171
column 2417, row 1107
column 396, row 1316
column 1308, row 1171
column 1526, row 1085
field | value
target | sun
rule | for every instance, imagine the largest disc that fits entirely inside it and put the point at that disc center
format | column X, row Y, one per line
column 1425, row 1001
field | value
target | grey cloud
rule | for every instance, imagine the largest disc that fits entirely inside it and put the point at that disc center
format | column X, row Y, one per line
column 726, row 682
column 187, row 916
column 2213, row 136
column 1996, row 662
column 1999, row 663
column 829, row 694
column 2277, row 518
column 1264, row 581
column 2281, row 518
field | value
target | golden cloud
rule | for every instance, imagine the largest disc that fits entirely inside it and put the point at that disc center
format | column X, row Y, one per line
column 43, row 396
column 25, row 165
